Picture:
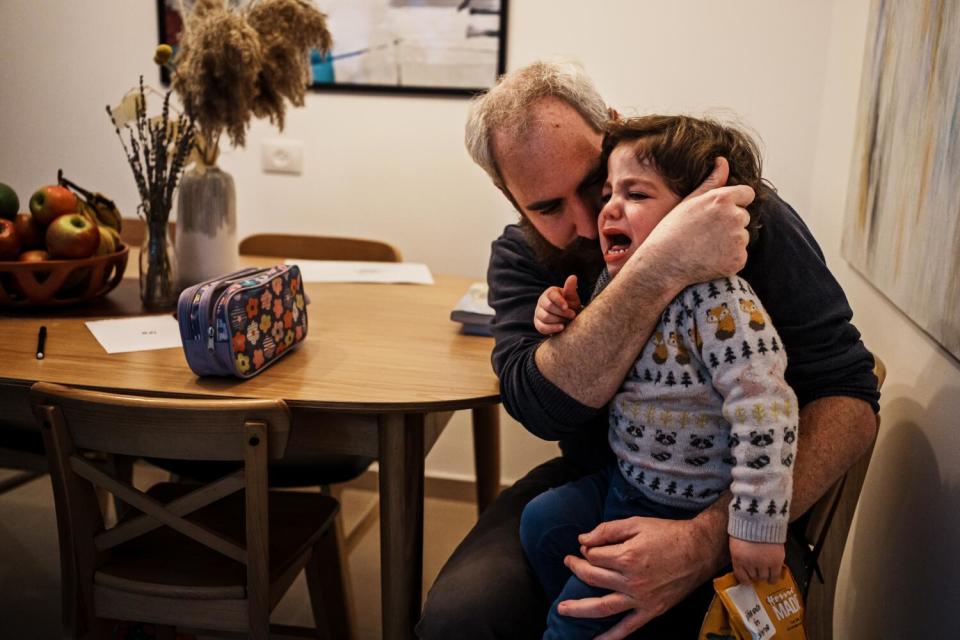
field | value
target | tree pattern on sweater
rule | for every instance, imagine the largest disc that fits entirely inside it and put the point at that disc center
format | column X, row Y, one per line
column 706, row 407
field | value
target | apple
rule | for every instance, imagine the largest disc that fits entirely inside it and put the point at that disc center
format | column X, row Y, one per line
column 31, row 233
column 34, row 255
column 72, row 236
column 47, row 203
column 9, row 240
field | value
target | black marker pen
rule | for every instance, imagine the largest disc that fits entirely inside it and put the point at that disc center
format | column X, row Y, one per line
column 41, row 342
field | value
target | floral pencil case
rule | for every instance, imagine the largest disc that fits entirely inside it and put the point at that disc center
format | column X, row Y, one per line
column 240, row 324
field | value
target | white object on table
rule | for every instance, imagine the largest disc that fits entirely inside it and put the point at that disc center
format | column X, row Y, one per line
column 143, row 333
column 347, row 271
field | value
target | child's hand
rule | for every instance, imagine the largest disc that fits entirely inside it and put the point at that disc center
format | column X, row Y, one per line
column 556, row 307
column 756, row 560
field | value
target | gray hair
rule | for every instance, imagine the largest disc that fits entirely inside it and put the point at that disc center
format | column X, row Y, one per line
column 506, row 107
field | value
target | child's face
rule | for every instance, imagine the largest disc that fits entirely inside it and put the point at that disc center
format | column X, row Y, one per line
column 635, row 200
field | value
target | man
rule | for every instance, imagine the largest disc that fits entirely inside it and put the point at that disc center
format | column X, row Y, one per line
column 538, row 134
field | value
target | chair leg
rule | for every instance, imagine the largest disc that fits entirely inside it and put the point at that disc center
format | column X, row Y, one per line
column 329, row 590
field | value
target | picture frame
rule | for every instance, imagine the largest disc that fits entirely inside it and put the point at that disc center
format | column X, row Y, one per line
column 426, row 47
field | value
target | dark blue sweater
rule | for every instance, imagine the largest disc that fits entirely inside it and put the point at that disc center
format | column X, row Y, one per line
column 785, row 267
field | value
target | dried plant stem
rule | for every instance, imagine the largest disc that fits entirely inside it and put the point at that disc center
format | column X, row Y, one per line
column 157, row 152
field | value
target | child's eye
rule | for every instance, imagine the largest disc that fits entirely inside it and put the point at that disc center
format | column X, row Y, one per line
column 604, row 198
column 637, row 195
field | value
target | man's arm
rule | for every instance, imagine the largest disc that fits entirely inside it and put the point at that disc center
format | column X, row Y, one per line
column 830, row 370
column 553, row 387
column 651, row 564
column 704, row 237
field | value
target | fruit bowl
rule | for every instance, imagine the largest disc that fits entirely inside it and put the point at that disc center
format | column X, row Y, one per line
column 51, row 283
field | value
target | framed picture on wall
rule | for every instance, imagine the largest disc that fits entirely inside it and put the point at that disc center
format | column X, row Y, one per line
column 445, row 47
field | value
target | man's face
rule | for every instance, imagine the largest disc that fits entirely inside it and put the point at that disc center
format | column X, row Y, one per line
column 553, row 173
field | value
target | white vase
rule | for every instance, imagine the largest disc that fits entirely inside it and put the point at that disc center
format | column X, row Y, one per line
column 206, row 226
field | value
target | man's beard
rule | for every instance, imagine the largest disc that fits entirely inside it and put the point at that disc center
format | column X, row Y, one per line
column 582, row 256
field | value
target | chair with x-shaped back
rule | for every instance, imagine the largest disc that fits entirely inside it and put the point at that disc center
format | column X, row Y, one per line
column 217, row 556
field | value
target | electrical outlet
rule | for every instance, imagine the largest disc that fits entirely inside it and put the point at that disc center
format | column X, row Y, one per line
column 282, row 156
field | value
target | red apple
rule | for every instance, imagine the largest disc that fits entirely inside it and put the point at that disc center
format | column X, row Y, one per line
column 47, row 203
column 72, row 236
column 34, row 255
column 31, row 233
column 9, row 240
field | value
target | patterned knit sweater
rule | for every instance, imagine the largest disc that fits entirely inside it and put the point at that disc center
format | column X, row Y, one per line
column 706, row 407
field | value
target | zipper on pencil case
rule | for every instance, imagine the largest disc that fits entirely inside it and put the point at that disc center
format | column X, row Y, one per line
column 210, row 290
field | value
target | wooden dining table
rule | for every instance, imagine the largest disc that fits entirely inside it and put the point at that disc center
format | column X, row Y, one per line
column 380, row 373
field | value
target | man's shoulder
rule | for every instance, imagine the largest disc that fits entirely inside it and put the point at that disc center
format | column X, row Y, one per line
column 513, row 239
column 783, row 237
column 780, row 224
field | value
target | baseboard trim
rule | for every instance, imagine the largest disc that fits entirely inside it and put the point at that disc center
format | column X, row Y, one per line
column 434, row 486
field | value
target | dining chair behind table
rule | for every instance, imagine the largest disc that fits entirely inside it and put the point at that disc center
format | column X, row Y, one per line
column 217, row 556
column 133, row 231
column 324, row 470
column 827, row 527
column 319, row 248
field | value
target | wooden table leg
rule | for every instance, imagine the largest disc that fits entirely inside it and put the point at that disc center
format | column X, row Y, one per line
column 401, row 452
column 486, row 453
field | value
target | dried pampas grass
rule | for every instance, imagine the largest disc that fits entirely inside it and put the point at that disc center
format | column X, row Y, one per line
column 234, row 64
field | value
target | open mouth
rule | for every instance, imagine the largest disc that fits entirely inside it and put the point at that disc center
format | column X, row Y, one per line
column 617, row 244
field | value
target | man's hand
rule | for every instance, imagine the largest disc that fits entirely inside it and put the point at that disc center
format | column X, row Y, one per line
column 556, row 307
column 649, row 563
column 705, row 236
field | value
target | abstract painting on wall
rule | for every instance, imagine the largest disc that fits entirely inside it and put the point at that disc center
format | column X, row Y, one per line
column 902, row 227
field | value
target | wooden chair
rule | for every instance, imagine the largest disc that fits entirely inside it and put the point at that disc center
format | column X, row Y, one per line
column 319, row 248
column 827, row 527
column 331, row 469
column 212, row 557
column 133, row 231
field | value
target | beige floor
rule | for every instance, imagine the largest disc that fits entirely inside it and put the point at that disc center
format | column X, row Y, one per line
column 30, row 573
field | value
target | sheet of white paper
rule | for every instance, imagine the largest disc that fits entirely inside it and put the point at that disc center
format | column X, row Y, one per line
column 346, row 271
column 144, row 333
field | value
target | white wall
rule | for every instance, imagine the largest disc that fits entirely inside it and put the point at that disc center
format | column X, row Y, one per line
column 393, row 167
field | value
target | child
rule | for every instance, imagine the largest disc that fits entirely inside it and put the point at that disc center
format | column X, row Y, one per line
column 704, row 409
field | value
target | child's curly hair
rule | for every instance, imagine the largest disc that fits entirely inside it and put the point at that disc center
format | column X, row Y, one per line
column 683, row 150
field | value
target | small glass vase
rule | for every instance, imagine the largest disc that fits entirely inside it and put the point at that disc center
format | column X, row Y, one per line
column 158, row 269
column 206, row 225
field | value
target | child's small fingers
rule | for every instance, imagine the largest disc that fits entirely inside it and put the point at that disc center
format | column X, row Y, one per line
column 555, row 296
column 742, row 576
column 549, row 328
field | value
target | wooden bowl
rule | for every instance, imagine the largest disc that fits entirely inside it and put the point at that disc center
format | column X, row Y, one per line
column 53, row 283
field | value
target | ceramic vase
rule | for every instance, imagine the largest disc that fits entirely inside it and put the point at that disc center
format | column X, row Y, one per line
column 206, row 225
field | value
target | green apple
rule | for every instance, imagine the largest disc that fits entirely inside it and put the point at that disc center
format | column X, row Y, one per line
column 9, row 202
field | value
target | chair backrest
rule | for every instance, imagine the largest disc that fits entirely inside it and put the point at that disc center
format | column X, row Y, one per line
column 826, row 533
column 134, row 231
column 319, row 248
column 76, row 423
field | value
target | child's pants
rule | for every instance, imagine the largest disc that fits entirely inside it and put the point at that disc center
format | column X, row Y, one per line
column 549, row 528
